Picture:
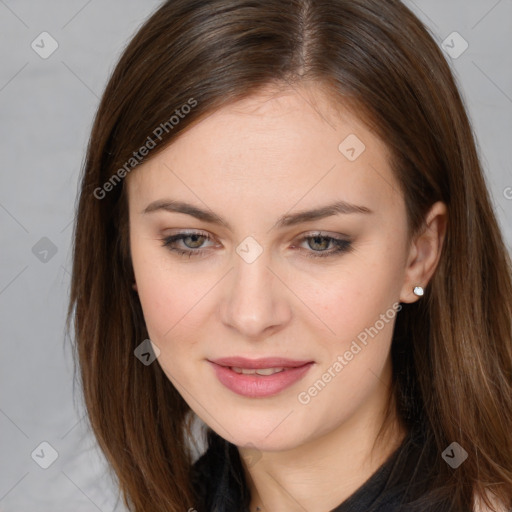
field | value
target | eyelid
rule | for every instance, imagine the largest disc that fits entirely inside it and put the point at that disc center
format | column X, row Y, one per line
column 184, row 234
column 302, row 236
column 326, row 234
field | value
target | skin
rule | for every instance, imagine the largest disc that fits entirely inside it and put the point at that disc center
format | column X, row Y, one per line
column 277, row 153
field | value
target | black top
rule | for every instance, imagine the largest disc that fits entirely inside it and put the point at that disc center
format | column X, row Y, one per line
column 375, row 493
column 399, row 485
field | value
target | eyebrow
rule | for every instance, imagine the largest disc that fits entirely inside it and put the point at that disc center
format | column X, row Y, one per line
column 339, row 207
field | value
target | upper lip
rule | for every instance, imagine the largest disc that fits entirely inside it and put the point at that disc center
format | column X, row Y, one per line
column 264, row 362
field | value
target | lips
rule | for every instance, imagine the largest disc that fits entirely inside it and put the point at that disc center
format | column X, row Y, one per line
column 264, row 362
column 247, row 377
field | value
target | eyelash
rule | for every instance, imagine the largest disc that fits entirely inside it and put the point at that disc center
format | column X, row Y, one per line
column 342, row 246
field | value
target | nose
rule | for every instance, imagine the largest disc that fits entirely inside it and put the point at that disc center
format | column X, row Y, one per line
column 255, row 299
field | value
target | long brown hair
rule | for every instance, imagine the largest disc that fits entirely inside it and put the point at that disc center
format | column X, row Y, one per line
column 452, row 350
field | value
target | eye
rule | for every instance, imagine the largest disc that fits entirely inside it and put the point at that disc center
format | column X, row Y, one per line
column 191, row 241
column 320, row 243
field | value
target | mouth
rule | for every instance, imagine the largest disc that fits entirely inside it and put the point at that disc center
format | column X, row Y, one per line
column 259, row 377
column 257, row 371
column 263, row 363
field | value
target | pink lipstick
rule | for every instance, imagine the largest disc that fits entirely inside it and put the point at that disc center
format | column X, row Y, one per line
column 256, row 378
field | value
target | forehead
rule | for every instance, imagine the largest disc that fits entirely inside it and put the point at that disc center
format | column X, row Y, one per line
column 294, row 141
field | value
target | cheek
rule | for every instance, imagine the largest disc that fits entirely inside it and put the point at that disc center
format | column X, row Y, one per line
column 167, row 302
column 351, row 296
column 360, row 307
column 165, row 294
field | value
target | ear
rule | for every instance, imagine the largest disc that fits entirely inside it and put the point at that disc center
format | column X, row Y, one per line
column 134, row 286
column 425, row 251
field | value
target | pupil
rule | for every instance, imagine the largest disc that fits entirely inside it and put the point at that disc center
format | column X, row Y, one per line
column 195, row 239
column 316, row 241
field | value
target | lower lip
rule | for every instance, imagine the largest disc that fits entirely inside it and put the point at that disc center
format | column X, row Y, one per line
column 256, row 386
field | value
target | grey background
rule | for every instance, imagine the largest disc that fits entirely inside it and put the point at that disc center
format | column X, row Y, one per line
column 46, row 111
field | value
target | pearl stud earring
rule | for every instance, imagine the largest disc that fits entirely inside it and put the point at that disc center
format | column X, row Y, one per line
column 418, row 291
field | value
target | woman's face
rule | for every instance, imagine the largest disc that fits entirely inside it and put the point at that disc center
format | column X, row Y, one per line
column 266, row 267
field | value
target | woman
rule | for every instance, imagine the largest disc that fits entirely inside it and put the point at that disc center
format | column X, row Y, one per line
column 283, row 205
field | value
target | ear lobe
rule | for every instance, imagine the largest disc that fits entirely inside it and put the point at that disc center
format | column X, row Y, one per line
column 425, row 252
column 134, row 286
